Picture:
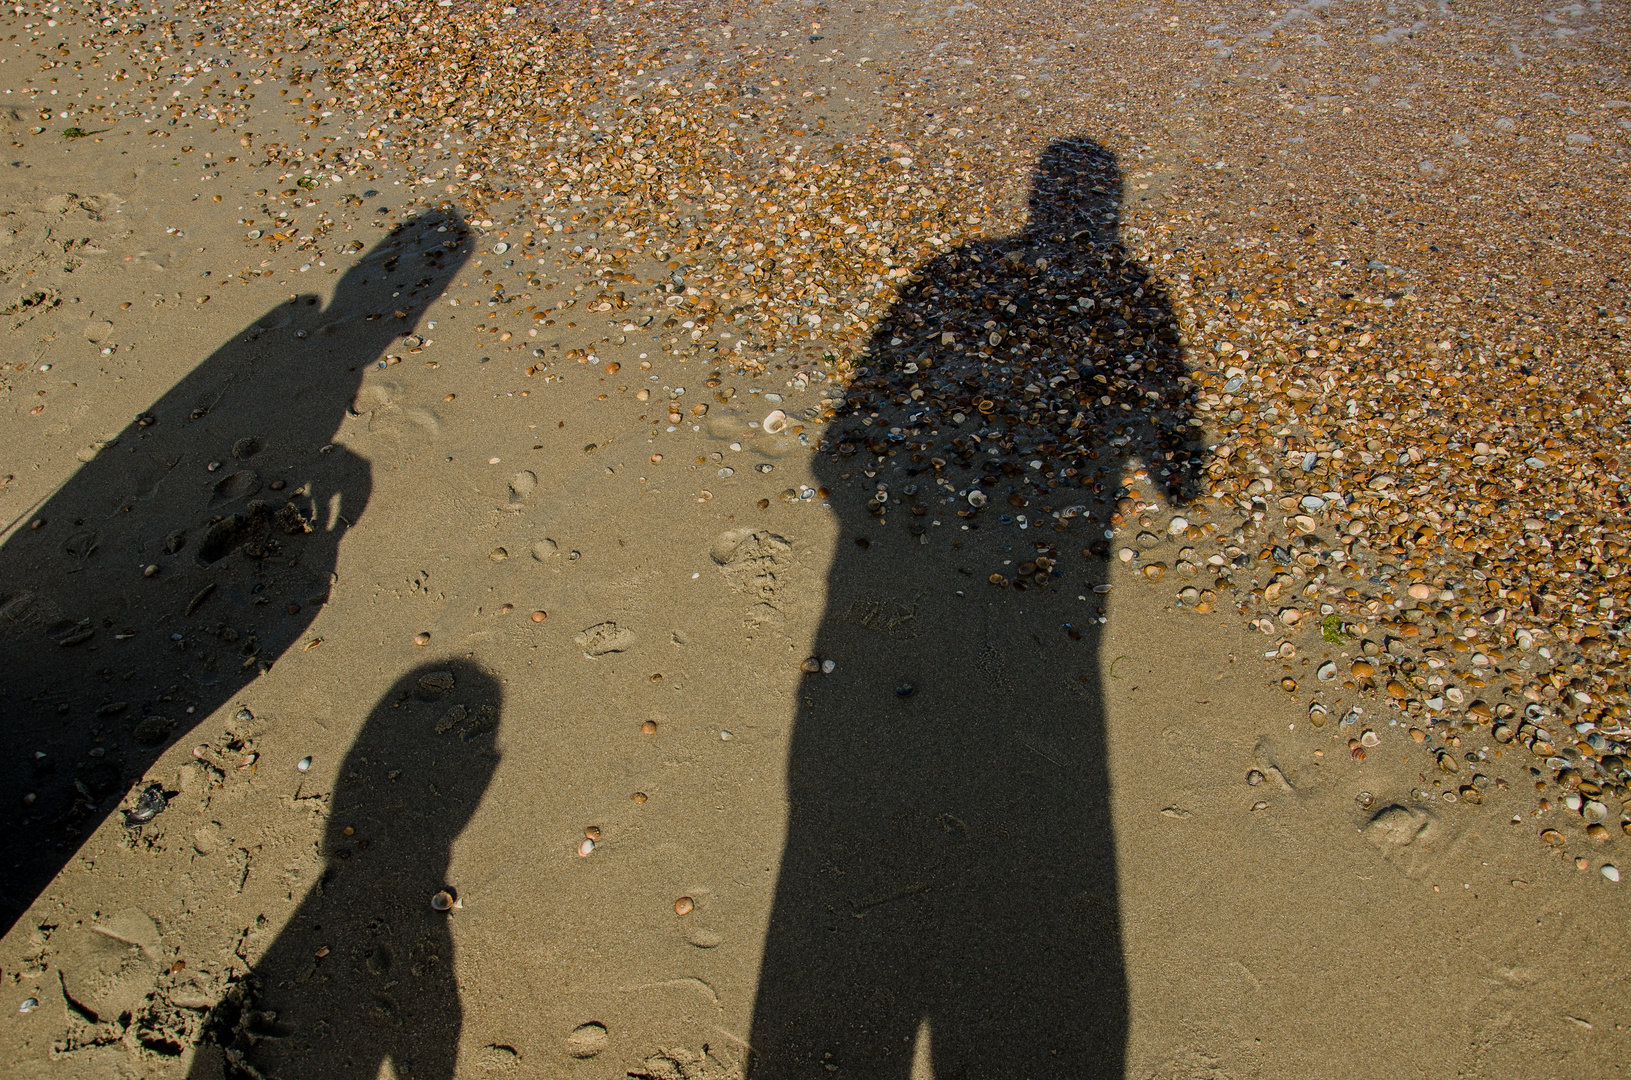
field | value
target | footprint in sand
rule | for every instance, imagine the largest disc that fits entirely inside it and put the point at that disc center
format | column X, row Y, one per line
column 522, row 484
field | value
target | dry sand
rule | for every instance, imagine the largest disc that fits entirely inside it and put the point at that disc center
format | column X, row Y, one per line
column 999, row 838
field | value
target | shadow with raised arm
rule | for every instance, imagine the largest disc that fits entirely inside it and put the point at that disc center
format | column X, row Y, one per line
column 947, row 900
column 193, row 550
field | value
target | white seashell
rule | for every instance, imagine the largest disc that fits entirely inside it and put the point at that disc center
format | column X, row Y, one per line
column 1611, row 872
column 303, row 764
column 775, row 422
column 977, row 499
column 827, row 667
column 1177, row 525
column 1327, row 671
column 1370, row 738
column 1594, row 811
column 585, row 848
column 1573, row 802
column 500, row 248
column 1103, row 587
column 1126, row 554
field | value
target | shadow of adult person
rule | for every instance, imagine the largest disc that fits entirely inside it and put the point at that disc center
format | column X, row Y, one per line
column 363, row 972
column 948, row 893
column 229, row 490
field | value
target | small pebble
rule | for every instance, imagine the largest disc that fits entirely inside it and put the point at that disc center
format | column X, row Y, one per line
column 639, row 796
column 812, row 666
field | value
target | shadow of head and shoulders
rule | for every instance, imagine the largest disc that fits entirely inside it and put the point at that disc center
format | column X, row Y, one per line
column 192, row 549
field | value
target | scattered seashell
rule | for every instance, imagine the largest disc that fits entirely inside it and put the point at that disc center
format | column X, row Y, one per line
column 1611, row 872
column 1326, row 671
column 304, row 764
column 248, row 760
column 684, row 906
column 592, row 832
column 421, row 638
column 586, row 848
column 1552, row 836
column 444, row 900
column 774, row 423
column 1253, row 778
column 649, row 727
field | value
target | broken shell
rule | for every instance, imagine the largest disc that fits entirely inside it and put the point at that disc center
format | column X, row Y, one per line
column 248, row 759
column 684, row 905
column 1369, row 738
column 977, row 499
column 774, row 423
column 1253, row 778
column 639, row 796
column 586, row 848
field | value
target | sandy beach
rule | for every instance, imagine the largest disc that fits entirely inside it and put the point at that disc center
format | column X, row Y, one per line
column 750, row 541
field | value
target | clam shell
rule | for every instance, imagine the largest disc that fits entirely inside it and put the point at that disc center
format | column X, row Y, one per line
column 774, row 423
